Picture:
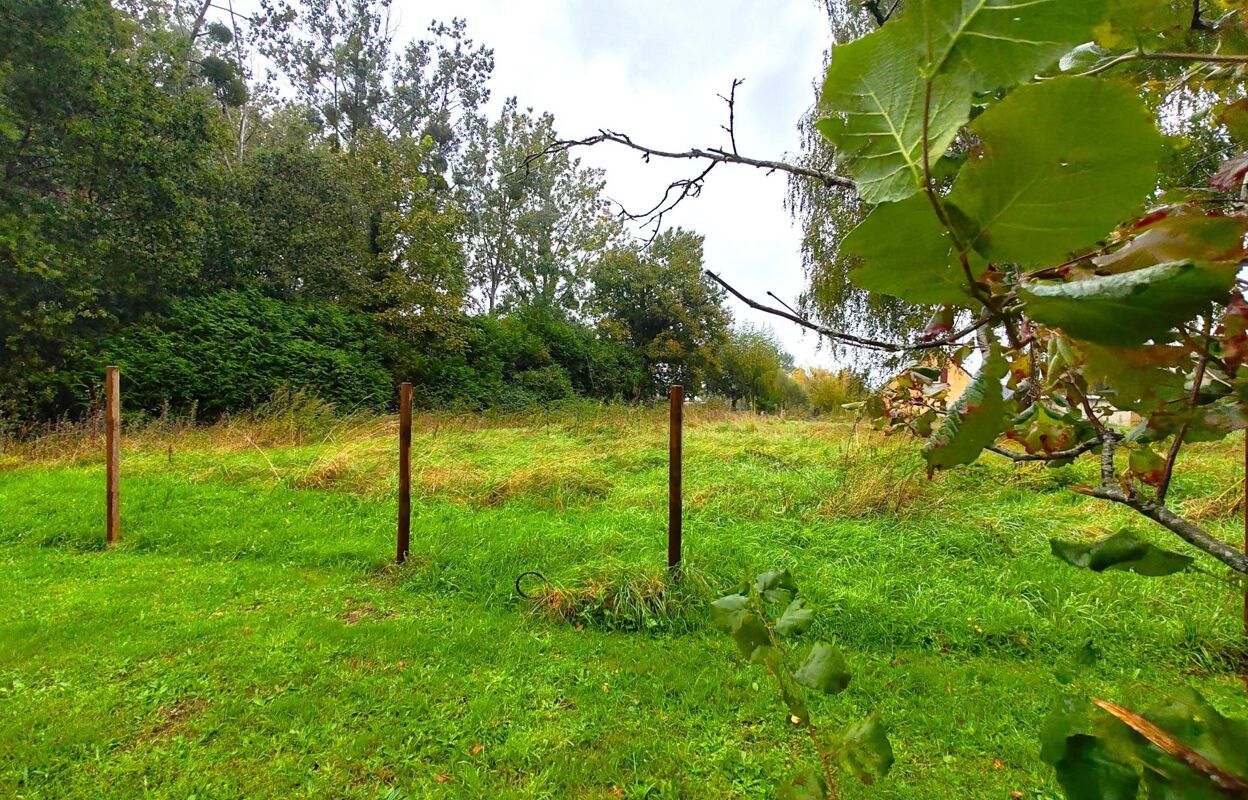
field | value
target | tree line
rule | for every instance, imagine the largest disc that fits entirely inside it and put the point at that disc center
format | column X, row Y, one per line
column 227, row 205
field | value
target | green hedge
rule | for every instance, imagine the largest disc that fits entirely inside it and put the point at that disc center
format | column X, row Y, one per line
column 233, row 350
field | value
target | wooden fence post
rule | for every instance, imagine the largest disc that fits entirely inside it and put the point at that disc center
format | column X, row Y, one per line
column 112, row 440
column 405, row 472
column 676, row 402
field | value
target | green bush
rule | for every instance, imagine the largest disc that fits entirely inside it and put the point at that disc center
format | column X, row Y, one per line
column 531, row 357
column 233, row 350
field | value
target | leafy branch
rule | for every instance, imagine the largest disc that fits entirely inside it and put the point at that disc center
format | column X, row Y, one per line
column 1184, row 747
column 760, row 617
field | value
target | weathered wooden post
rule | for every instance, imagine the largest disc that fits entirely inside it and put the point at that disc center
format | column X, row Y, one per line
column 112, row 444
column 676, row 402
column 405, row 472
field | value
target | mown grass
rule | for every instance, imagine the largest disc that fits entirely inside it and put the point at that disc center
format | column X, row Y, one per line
column 249, row 638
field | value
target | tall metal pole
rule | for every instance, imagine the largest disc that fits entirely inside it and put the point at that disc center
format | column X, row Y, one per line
column 112, row 443
column 676, row 402
column 405, row 472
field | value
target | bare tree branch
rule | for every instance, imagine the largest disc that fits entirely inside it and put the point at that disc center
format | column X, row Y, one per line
column 679, row 190
column 713, row 154
column 731, row 100
column 1056, row 455
column 1187, row 531
column 849, row 338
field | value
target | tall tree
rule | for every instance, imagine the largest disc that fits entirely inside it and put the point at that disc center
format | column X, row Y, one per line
column 656, row 299
column 105, row 143
column 753, row 367
column 539, row 219
column 440, row 90
column 336, row 56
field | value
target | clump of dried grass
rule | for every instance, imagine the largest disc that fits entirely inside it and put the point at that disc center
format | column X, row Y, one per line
column 878, row 477
column 555, row 486
column 620, row 599
column 1222, row 505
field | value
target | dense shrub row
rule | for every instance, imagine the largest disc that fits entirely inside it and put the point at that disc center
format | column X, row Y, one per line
column 233, row 350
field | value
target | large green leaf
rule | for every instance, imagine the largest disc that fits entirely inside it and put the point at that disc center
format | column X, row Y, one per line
column 1068, row 718
column 1087, row 770
column 1099, row 758
column 807, row 784
column 1124, row 550
column 1213, row 421
column 1061, row 163
column 1139, row 378
column 875, row 96
column 973, row 422
column 907, row 253
column 1130, row 307
column 1133, row 23
column 999, row 43
column 796, row 619
column 1191, row 719
column 866, row 751
column 728, row 611
column 751, row 635
column 777, row 586
column 824, row 669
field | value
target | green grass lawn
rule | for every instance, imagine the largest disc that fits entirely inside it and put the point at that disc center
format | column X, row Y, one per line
column 249, row 638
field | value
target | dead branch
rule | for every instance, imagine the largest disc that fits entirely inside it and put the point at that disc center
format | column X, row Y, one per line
column 1056, row 455
column 684, row 188
column 1231, row 785
column 731, row 100
column 848, row 338
column 713, row 154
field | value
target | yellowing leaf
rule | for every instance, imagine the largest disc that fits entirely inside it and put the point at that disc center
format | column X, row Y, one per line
column 974, row 421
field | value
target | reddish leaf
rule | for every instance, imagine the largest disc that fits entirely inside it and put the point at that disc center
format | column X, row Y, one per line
column 1233, row 333
column 1230, row 176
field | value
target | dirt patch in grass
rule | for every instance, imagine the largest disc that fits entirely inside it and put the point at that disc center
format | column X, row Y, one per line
column 172, row 719
column 363, row 612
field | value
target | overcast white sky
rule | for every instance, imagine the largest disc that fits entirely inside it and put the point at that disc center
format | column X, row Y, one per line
column 653, row 69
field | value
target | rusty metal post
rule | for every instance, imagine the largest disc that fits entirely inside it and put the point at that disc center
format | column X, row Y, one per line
column 676, row 402
column 405, row 472
column 112, row 444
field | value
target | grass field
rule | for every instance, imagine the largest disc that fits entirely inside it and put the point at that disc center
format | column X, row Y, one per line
column 249, row 638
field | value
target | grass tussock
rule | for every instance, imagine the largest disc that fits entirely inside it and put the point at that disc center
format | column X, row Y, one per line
column 553, row 487
column 618, row 598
